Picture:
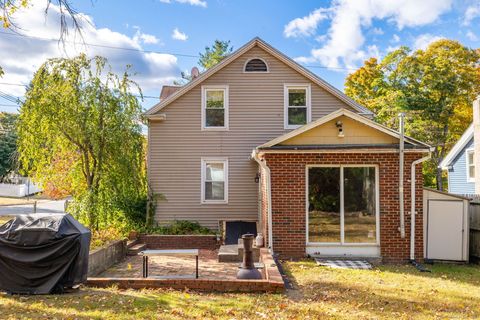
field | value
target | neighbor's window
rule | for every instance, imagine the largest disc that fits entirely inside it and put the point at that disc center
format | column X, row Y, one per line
column 215, row 108
column 256, row 65
column 470, row 165
column 297, row 105
column 214, row 180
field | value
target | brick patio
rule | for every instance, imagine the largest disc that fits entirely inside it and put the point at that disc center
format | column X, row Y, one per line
column 175, row 267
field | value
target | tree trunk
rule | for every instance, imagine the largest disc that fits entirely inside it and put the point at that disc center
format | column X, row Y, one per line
column 439, row 179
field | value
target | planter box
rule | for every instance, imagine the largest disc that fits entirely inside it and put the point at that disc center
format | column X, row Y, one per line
column 103, row 258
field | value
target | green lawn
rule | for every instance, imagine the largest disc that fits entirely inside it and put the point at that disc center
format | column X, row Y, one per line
column 398, row 292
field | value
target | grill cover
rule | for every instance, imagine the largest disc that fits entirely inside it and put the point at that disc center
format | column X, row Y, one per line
column 43, row 253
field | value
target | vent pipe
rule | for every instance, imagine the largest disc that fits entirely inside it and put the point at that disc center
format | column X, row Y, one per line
column 401, row 118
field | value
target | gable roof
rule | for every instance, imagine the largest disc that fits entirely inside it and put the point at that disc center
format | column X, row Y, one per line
column 334, row 115
column 268, row 48
column 466, row 137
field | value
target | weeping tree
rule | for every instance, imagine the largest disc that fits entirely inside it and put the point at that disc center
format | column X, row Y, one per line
column 81, row 123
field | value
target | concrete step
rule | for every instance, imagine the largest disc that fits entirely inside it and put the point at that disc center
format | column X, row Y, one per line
column 131, row 243
column 234, row 253
column 228, row 253
column 136, row 249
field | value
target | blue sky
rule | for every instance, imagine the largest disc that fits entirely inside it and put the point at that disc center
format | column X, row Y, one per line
column 334, row 36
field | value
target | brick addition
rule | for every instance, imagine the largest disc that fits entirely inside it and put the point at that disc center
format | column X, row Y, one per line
column 288, row 178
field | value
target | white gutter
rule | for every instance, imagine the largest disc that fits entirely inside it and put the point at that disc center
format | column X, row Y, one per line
column 401, row 199
column 412, row 208
column 266, row 169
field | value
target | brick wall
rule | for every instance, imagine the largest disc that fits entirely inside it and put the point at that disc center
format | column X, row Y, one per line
column 288, row 200
column 180, row 241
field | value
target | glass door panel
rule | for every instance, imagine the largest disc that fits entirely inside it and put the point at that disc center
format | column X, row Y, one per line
column 359, row 204
column 324, row 205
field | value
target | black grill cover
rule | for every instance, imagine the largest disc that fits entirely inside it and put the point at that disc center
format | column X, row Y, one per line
column 43, row 253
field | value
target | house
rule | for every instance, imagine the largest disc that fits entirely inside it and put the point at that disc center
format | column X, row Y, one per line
column 460, row 161
column 260, row 138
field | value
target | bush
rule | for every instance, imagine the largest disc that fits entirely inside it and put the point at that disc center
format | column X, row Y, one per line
column 179, row 227
column 102, row 237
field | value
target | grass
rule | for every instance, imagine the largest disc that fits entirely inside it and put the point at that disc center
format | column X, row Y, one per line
column 398, row 292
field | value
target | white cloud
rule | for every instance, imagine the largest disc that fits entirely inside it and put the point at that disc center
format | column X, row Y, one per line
column 305, row 26
column 423, row 40
column 471, row 36
column 178, row 35
column 471, row 13
column 21, row 56
column 345, row 44
column 199, row 3
column 145, row 38
column 395, row 38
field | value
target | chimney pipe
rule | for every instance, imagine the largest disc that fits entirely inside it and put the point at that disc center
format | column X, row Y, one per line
column 476, row 144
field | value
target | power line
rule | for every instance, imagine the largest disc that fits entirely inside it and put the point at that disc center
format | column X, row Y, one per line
column 145, row 51
column 98, row 45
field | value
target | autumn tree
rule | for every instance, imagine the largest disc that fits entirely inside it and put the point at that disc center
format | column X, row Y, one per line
column 434, row 87
column 82, row 118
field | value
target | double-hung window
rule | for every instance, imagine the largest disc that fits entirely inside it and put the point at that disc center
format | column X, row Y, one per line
column 297, row 102
column 215, row 108
column 214, row 180
column 470, row 165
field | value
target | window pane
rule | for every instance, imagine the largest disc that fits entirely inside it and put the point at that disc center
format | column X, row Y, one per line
column 470, row 157
column 297, row 97
column 215, row 99
column 324, row 205
column 214, row 191
column 215, row 172
column 215, row 117
column 471, row 172
column 297, row 116
column 359, row 204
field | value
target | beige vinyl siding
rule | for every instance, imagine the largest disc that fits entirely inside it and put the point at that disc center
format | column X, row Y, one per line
column 354, row 132
column 177, row 144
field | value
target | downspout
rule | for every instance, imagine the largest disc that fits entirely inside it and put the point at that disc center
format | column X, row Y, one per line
column 401, row 197
column 266, row 169
column 412, row 208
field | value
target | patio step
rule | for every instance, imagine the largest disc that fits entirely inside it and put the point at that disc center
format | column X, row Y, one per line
column 234, row 253
column 131, row 243
column 136, row 249
column 228, row 253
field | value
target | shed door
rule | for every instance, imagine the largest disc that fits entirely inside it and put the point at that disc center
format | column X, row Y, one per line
column 445, row 230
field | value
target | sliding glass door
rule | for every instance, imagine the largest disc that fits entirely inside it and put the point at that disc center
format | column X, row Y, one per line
column 342, row 205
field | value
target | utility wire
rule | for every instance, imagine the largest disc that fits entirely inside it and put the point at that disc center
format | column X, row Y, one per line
column 97, row 45
column 141, row 50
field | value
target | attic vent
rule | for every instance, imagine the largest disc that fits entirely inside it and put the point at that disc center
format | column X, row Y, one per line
column 256, row 65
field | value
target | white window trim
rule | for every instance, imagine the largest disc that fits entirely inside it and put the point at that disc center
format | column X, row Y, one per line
column 342, row 226
column 467, row 164
column 287, row 86
column 204, row 161
column 246, row 62
column 204, row 105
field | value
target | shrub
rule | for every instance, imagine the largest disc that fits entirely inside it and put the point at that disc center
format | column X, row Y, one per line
column 179, row 227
